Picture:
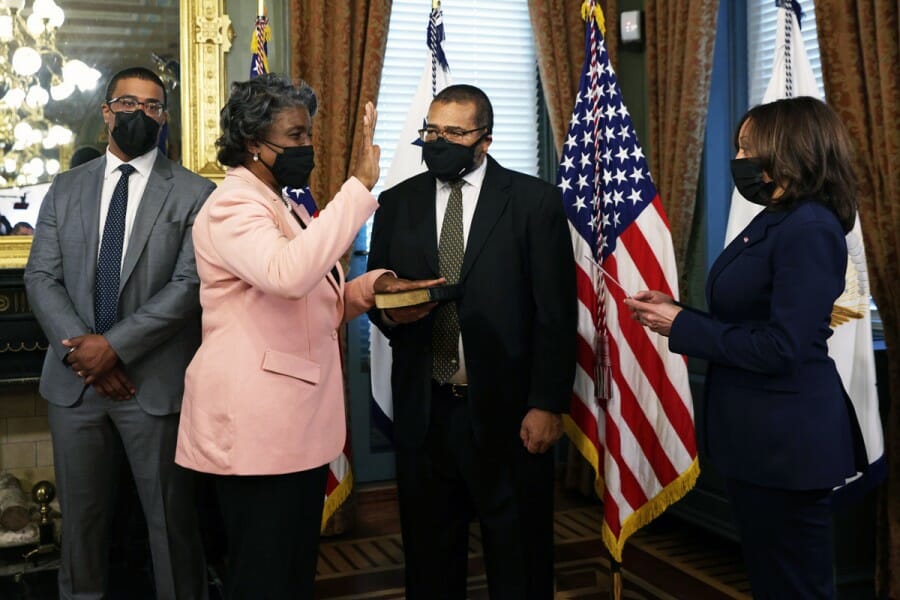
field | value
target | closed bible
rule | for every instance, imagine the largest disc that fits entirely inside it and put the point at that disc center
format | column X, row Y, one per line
column 439, row 293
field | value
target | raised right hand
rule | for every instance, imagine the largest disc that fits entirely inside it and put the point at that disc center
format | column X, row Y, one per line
column 367, row 168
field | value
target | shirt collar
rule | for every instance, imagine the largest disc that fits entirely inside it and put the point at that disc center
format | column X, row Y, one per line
column 473, row 178
column 143, row 164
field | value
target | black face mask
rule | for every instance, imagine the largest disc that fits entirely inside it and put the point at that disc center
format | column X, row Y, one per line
column 135, row 133
column 748, row 179
column 292, row 167
column 448, row 161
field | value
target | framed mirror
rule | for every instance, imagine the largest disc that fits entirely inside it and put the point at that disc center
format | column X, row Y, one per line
column 189, row 38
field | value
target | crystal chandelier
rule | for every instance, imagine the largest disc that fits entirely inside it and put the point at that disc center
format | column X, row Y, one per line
column 32, row 72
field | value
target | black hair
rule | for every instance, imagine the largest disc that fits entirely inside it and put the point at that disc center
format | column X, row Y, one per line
column 135, row 73
column 484, row 112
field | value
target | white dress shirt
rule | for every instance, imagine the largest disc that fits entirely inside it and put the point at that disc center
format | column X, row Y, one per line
column 470, row 192
column 137, row 183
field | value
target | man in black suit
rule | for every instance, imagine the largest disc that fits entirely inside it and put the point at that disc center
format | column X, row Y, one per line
column 479, row 384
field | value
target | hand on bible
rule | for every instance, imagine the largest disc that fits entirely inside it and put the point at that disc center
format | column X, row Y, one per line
column 389, row 284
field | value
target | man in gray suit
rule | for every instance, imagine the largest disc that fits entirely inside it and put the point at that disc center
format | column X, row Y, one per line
column 113, row 282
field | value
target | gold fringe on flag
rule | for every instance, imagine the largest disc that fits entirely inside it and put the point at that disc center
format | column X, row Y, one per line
column 646, row 513
column 336, row 498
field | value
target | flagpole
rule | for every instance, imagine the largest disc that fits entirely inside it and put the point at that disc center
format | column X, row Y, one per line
column 615, row 580
column 261, row 11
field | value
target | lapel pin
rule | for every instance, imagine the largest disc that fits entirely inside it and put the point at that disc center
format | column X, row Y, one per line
column 746, row 240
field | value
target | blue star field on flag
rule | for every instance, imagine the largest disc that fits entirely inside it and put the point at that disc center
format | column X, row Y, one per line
column 603, row 174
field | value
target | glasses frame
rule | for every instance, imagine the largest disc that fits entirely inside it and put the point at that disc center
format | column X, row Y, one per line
column 447, row 135
column 144, row 106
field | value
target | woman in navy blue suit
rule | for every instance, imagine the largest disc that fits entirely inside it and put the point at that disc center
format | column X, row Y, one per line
column 775, row 419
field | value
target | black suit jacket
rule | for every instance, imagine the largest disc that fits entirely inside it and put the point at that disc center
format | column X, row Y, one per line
column 518, row 312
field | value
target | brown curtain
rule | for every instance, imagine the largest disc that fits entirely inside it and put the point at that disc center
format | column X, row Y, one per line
column 559, row 41
column 338, row 49
column 680, row 41
column 860, row 49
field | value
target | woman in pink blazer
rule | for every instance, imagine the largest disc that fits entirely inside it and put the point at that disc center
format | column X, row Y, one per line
column 263, row 408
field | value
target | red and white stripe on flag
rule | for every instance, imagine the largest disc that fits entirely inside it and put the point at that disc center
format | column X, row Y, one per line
column 340, row 476
column 631, row 412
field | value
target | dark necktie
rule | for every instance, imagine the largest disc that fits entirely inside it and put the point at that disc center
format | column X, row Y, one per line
column 445, row 332
column 109, row 262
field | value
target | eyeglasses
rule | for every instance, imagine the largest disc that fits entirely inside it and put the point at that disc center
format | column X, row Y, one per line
column 451, row 134
column 128, row 104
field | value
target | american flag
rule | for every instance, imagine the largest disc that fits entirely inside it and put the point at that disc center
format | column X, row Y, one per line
column 631, row 413
column 340, row 475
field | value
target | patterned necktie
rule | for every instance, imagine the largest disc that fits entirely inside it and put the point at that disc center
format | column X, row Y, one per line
column 445, row 331
column 109, row 263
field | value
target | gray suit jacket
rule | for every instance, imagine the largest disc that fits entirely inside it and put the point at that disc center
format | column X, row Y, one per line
column 159, row 307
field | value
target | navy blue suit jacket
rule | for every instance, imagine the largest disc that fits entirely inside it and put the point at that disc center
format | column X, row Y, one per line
column 774, row 412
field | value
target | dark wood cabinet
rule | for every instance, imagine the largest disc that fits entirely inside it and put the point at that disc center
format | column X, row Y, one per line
column 22, row 343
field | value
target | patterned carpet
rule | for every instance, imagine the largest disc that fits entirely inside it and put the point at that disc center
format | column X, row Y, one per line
column 665, row 560
column 661, row 563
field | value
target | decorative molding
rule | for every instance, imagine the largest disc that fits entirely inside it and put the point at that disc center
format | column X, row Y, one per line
column 206, row 35
column 23, row 347
column 14, row 251
column 14, row 302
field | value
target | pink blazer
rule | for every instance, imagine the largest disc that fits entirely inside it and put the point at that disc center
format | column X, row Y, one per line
column 264, row 394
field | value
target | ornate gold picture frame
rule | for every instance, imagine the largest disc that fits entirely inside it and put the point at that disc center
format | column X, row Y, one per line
column 205, row 35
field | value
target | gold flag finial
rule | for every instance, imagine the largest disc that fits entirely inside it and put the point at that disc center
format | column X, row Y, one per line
column 586, row 8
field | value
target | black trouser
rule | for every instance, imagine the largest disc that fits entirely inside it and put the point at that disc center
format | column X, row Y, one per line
column 786, row 539
column 272, row 523
column 452, row 478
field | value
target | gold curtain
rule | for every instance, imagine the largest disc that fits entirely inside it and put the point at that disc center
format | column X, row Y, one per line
column 559, row 41
column 860, row 49
column 680, row 40
column 338, row 49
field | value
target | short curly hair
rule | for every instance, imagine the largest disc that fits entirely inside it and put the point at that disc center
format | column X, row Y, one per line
column 251, row 110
